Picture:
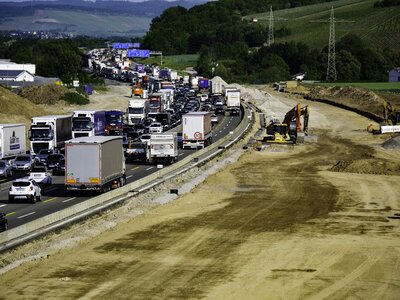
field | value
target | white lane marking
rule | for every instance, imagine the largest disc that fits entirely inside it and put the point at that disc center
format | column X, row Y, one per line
column 31, row 213
column 70, row 199
column 3, row 205
column 127, row 177
column 220, row 131
column 179, row 155
column 149, row 168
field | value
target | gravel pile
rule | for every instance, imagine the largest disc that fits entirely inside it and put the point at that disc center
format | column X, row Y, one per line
column 393, row 143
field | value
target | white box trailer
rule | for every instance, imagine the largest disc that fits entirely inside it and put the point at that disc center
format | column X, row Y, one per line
column 233, row 102
column 12, row 140
column 94, row 163
column 196, row 130
column 163, row 147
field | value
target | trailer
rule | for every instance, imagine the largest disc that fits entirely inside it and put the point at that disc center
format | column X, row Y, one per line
column 49, row 132
column 94, row 163
column 12, row 140
column 233, row 102
column 196, row 130
column 163, row 147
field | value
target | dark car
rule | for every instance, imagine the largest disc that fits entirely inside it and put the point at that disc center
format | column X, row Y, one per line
column 53, row 160
column 42, row 155
column 3, row 222
column 60, row 167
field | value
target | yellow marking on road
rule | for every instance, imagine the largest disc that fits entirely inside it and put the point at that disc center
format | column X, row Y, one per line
column 135, row 168
column 3, row 180
column 11, row 213
column 49, row 200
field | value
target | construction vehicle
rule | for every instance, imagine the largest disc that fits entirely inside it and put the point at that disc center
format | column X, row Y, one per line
column 391, row 122
column 137, row 90
column 290, row 130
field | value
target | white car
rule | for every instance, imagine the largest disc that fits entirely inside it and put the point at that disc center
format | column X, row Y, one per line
column 25, row 189
column 155, row 127
column 41, row 175
column 203, row 97
column 214, row 119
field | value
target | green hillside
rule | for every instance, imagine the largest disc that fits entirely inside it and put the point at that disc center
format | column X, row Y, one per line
column 377, row 27
column 80, row 23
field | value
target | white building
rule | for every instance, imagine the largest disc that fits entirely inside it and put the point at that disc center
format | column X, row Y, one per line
column 16, row 75
column 7, row 65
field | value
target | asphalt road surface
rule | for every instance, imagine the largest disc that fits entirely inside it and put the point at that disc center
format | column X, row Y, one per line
column 55, row 197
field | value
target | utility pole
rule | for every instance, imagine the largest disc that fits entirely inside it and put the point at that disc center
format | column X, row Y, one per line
column 331, row 69
column 270, row 28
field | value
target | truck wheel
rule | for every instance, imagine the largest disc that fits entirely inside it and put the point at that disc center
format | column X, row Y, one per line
column 5, row 226
column 34, row 199
column 39, row 198
column 10, row 198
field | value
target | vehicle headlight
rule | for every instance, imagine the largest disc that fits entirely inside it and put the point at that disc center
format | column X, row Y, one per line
column 27, row 165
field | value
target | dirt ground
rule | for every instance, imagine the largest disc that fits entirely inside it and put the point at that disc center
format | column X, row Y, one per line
column 274, row 225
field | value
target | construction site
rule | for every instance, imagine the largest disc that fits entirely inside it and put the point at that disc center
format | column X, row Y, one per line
column 310, row 210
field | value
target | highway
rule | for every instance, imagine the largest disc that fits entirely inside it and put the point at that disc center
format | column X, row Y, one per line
column 55, row 197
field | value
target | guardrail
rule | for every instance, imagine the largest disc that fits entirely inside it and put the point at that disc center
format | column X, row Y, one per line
column 25, row 232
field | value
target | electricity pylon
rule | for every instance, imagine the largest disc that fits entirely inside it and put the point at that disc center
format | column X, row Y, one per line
column 270, row 28
column 331, row 69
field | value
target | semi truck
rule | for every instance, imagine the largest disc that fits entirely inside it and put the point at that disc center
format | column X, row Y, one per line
column 94, row 163
column 196, row 130
column 114, row 122
column 163, row 148
column 156, row 102
column 12, row 140
column 49, row 132
column 204, row 85
column 232, row 102
column 137, row 110
column 216, row 87
column 88, row 123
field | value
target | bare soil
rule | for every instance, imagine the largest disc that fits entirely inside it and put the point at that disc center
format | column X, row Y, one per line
column 274, row 225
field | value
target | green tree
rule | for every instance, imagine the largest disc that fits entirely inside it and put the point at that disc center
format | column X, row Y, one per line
column 347, row 66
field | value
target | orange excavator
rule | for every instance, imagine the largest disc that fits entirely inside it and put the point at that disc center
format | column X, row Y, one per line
column 291, row 128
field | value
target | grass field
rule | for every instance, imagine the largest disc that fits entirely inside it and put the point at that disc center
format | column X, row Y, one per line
column 376, row 86
column 375, row 26
column 176, row 62
column 81, row 23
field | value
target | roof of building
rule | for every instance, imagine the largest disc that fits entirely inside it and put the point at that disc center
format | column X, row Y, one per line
column 395, row 69
column 10, row 73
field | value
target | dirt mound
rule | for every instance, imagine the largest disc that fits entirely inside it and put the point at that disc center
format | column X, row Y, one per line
column 44, row 94
column 393, row 143
column 356, row 97
column 368, row 166
column 15, row 109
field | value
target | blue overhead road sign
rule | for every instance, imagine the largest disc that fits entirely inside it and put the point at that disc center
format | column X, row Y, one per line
column 122, row 45
column 138, row 53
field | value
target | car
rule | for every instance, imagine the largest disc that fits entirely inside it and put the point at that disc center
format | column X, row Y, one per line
column 219, row 109
column 23, row 163
column 214, row 119
column 25, row 188
column 203, row 97
column 42, row 155
column 53, row 160
column 60, row 167
column 5, row 169
column 3, row 222
column 155, row 127
column 41, row 175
